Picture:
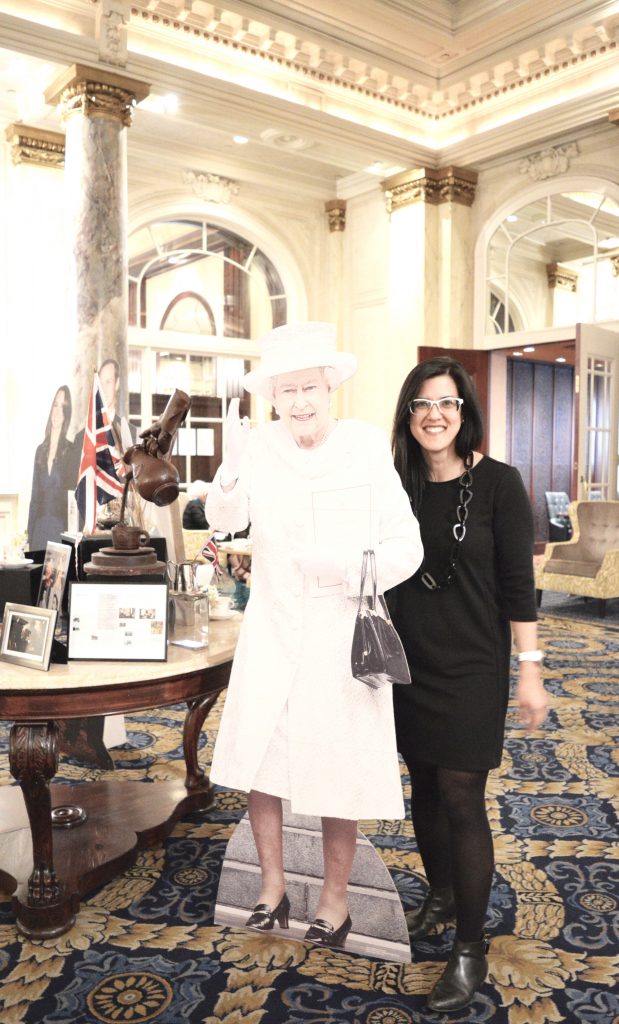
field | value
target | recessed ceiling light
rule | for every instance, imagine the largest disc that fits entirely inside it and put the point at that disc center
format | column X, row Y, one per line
column 517, row 353
column 529, row 348
column 512, row 218
column 240, row 140
column 560, row 359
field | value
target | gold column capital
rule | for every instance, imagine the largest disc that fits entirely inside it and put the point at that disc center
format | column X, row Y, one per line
column 433, row 185
column 561, row 277
column 35, row 145
column 614, row 262
column 95, row 92
column 336, row 214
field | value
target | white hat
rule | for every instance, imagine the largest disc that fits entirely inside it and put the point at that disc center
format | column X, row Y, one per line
column 298, row 347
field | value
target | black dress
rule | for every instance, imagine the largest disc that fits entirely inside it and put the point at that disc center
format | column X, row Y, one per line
column 47, row 516
column 458, row 640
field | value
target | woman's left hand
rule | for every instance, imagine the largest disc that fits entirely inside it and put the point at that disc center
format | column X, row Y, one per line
column 531, row 695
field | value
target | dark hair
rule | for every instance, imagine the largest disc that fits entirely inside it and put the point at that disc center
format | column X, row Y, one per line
column 407, row 453
column 66, row 417
column 111, row 362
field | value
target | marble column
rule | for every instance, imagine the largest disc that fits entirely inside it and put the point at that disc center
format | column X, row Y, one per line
column 431, row 256
column 96, row 107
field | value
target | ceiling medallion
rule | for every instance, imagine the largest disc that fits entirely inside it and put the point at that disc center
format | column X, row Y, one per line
column 285, row 140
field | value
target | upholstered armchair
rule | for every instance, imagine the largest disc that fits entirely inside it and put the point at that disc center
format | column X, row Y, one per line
column 587, row 565
column 559, row 525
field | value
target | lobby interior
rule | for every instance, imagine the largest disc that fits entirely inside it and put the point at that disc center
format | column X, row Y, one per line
column 425, row 174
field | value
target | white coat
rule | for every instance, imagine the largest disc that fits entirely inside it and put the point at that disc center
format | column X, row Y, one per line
column 293, row 652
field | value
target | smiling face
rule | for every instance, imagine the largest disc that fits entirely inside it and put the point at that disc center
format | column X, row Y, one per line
column 302, row 403
column 436, row 431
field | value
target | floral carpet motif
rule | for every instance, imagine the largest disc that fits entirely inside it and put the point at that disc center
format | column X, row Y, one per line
column 144, row 948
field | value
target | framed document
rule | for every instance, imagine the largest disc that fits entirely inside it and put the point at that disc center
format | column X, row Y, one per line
column 118, row 621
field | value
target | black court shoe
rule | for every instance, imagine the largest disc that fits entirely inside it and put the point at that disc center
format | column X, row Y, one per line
column 438, row 907
column 324, row 934
column 263, row 918
column 466, row 969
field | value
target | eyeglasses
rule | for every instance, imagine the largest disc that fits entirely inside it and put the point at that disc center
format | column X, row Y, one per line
column 421, row 406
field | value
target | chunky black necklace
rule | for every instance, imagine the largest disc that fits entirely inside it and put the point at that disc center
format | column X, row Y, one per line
column 459, row 530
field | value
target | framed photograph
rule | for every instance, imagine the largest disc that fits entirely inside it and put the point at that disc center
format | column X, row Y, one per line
column 54, row 575
column 27, row 635
column 118, row 621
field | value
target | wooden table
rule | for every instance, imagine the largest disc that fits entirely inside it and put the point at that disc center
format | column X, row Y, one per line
column 81, row 835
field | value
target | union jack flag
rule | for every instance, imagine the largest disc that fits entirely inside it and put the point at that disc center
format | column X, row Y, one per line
column 211, row 553
column 101, row 468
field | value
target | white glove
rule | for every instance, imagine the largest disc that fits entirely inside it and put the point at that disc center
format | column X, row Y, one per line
column 316, row 560
column 237, row 437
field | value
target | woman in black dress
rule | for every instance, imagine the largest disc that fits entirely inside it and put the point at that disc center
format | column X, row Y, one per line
column 54, row 474
column 456, row 617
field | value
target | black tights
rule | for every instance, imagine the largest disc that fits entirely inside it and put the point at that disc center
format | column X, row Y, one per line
column 454, row 839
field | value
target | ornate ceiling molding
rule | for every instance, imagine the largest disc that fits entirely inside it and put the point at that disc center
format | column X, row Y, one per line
column 561, row 277
column 212, row 188
column 111, row 21
column 35, row 145
column 329, row 64
column 548, row 162
column 336, row 214
column 94, row 92
column 430, row 185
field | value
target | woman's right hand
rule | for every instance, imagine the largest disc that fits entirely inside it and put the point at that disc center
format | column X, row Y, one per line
column 237, row 437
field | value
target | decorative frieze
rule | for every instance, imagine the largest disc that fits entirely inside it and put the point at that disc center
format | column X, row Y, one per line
column 336, row 214
column 94, row 92
column 430, row 185
column 561, row 277
column 548, row 162
column 35, row 145
column 212, row 188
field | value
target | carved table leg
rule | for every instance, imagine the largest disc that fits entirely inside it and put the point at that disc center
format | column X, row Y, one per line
column 45, row 910
column 198, row 710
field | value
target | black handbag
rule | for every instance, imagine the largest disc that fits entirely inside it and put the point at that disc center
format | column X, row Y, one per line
column 377, row 655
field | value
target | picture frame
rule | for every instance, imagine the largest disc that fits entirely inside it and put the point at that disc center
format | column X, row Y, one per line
column 54, row 575
column 118, row 621
column 27, row 635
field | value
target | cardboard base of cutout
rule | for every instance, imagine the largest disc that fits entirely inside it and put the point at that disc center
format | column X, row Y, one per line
column 378, row 922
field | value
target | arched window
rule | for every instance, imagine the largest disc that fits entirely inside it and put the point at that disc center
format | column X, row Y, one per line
column 551, row 261
column 201, row 293
column 189, row 313
column 228, row 274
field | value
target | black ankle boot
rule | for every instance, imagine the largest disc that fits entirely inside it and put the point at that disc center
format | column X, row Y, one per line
column 464, row 973
column 437, row 908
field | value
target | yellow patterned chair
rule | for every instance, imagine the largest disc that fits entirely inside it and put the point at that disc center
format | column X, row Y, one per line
column 194, row 541
column 588, row 564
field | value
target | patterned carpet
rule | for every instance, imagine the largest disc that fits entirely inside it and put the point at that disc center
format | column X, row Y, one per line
column 145, row 949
